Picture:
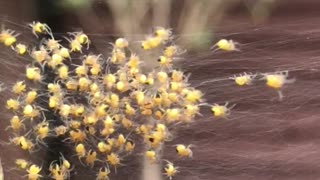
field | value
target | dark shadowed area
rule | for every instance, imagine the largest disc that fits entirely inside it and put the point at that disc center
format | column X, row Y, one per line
column 264, row 138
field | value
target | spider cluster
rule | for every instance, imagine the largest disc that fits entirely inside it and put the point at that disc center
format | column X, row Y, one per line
column 102, row 107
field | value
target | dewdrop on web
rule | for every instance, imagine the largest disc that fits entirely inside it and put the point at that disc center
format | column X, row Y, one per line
column 100, row 113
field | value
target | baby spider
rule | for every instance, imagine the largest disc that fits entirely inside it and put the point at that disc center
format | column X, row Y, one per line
column 151, row 156
column 91, row 157
column 52, row 44
column 33, row 172
column 103, row 174
column 13, row 104
column 221, row 110
column 226, row 45
column 81, row 38
column 172, row 50
column 173, row 114
column 164, row 34
column 151, row 43
column 8, row 37
column 33, row 73
column 42, row 131
column 129, row 146
column 113, row 159
column 165, row 62
column 40, row 28
column 21, row 49
column 55, row 171
column 183, row 151
column 19, row 88
column 21, row 163
column 75, row 46
column 61, row 130
column 243, row 79
column 23, row 142
column 16, row 124
column 5, row 34
column 277, row 81
column 80, row 151
column 61, row 170
column 40, row 55
column 121, row 43
column 170, row 170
